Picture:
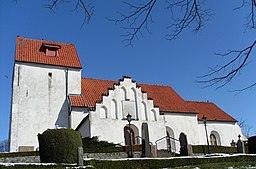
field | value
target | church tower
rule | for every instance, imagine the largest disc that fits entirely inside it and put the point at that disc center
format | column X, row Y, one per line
column 44, row 74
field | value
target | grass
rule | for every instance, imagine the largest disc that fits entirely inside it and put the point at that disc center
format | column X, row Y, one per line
column 227, row 165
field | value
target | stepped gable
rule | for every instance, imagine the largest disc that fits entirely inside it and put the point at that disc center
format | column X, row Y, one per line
column 41, row 51
column 211, row 111
column 164, row 97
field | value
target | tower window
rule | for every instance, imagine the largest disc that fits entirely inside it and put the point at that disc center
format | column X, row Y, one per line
column 50, row 49
column 50, row 75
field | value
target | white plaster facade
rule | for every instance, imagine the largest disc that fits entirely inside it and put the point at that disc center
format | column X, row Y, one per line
column 40, row 101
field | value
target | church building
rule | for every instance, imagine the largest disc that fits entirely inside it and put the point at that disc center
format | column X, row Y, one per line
column 48, row 92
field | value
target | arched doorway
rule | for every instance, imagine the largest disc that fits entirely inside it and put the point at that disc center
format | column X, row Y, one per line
column 170, row 142
column 215, row 138
column 183, row 145
column 134, row 134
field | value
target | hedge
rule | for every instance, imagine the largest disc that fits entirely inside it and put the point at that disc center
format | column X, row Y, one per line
column 59, row 145
column 164, row 163
column 94, row 145
column 19, row 154
column 200, row 149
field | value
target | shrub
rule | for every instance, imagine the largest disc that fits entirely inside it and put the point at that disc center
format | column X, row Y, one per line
column 200, row 149
column 59, row 145
column 94, row 145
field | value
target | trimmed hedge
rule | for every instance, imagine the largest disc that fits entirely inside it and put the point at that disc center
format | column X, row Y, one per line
column 200, row 149
column 164, row 163
column 94, row 145
column 59, row 145
column 19, row 154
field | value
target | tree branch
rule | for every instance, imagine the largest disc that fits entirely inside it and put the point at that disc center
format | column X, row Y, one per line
column 221, row 75
column 85, row 5
column 190, row 14
column 138, row 17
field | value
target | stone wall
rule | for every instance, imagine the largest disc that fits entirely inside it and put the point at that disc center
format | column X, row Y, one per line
column 116, row 155
column 24, row 159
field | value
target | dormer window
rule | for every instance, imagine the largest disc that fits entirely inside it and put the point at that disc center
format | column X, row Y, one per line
column 51, row 49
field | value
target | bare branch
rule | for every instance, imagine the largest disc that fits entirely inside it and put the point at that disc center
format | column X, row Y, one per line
column 221, row 75
column 138, row 18
column 86, row 6
column 251, row 23
column 190, row 14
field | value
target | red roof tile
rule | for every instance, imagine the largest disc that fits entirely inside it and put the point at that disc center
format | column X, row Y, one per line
column 29, row 50
column 163, row 96
column 210, row 111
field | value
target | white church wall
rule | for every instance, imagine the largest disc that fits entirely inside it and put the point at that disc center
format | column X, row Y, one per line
column 77, row 115
column 227, row 131
column 126, row 98
column 38, row 102
column 85, row 128
column 183, row 123
column 74, row 81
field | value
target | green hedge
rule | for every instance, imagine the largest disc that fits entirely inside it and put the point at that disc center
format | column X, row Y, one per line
column 200, row 149
column 94, row 145
column 164, row 163
column 20, row 154
column 59, row 145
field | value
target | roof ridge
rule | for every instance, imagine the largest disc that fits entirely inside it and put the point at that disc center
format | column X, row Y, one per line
column 193, row 101
column 43, row 40
column 160, row 85
column 99, row 79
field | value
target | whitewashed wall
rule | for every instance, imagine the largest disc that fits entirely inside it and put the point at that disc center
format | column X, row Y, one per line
column 227, row 132
column 108, row 120
column 39, row 101
column 77, row 115
column 183, row 123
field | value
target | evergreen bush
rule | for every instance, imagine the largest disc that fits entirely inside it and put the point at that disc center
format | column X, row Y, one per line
column 59, row 145
column 94, row 145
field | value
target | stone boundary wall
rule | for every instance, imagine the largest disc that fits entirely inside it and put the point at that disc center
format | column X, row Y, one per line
column 36, row 159
column 23, row 159
column 115, row 155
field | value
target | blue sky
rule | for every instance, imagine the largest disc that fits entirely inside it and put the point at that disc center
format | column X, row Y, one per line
column 152, row 60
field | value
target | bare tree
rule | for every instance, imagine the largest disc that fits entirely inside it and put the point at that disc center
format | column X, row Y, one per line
column 185, row 14
column 223, row 74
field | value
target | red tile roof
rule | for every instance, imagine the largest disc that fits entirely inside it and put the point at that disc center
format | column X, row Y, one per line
column 29, row 50
column 210, row 111
column 163, row 96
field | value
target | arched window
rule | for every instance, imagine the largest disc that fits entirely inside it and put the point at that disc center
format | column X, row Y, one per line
column 114, row 109
column 153, row 115
column 103, row 112
column 215, row 138
column 144, row 111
